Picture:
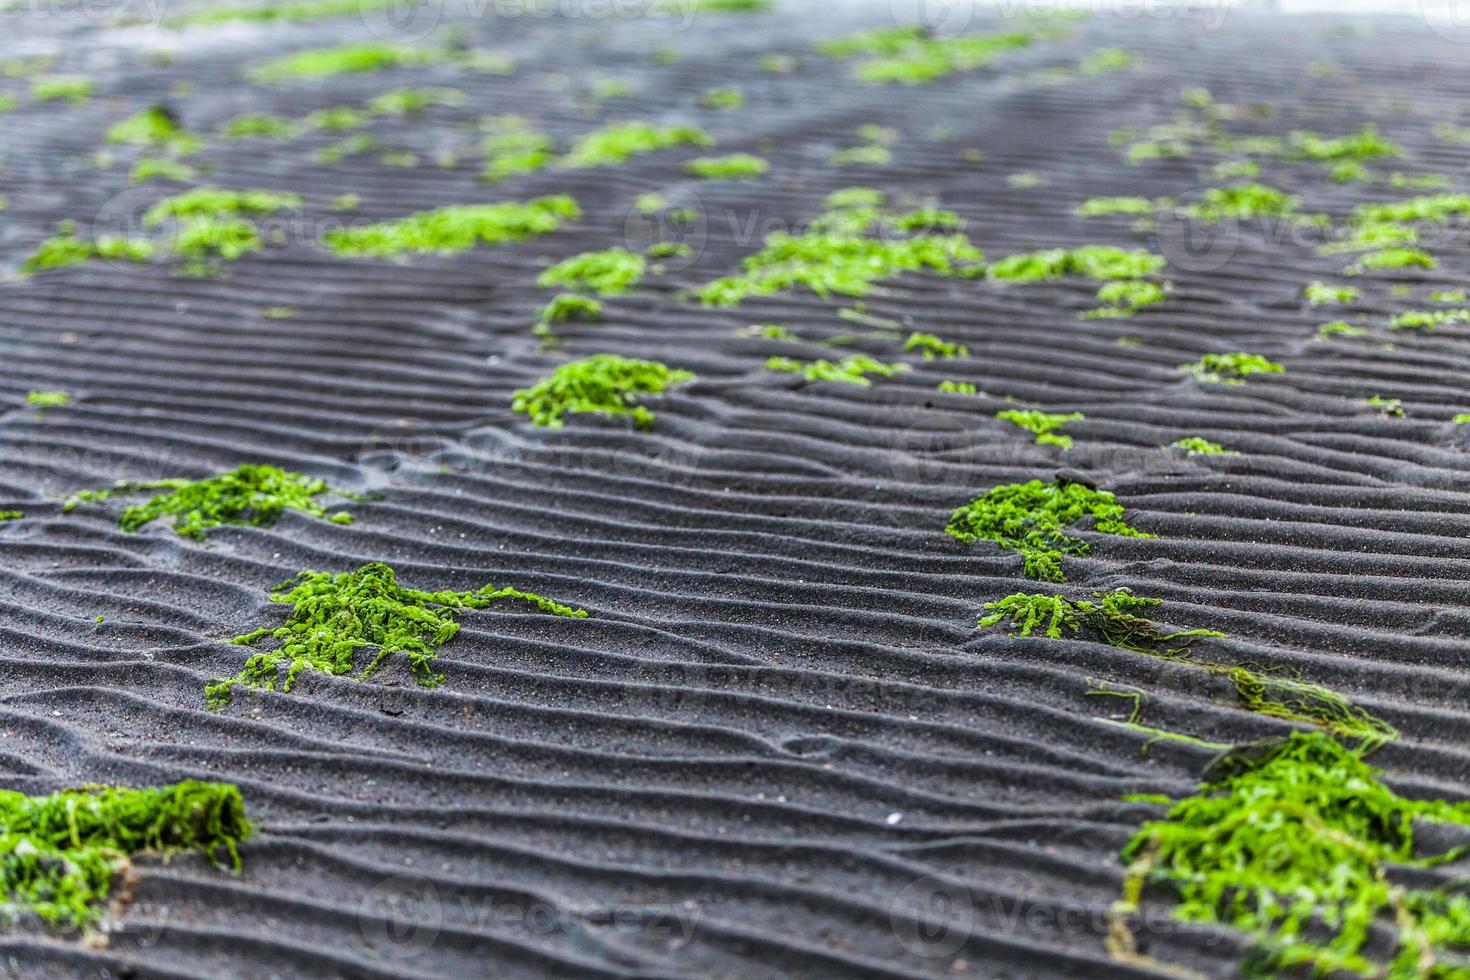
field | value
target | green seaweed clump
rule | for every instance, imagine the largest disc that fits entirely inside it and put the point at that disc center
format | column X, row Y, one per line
column 616, row 143
column 847, row 249
column 66, row 249
column 607, row 273
column 1318, row 293
column 1231, row 368
column 726, row 97
column 1123, row 272
column 1310, row 853
column 1242, row 201
column 347, row 59
column 1043, row 425
column 513, row 149
column 336, row 615
column 456, row 228
column 1200, row 446
column 932, row 347
column 75, row 89
column 1031, row 519
column 48, row 399
column 155, row 126
column 11, row 515
column 253, row 494
column 735, row 166
column 603, row 384
column 853, row 369
column 958, row 387
column 1116, row 618
column 60, row 853
column 1428, row 319
column 1365, row 144
column 1135, row 206
column 910, row 56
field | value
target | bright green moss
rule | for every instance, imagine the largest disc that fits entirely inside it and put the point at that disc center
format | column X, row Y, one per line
column 253, row 494
column 1242, row 201
column 1115, row 619
column 259, row 125
column 932, row 347
column 338, row 119
column 958, row 387
column 1313, row 856
column 603, row 384
column 617, row 143
column 278, row 312
column 1107, row 60
column 1351, row 171
column 1232, row 368
column 1104, row 262
column 1031, row 520
column 1318, row 293
column 294, row 11
column 570, row 306
column 1043, row 425
column 1235, row 169
column 75, row 89
column 1391, row 407
column 67, row 249
column 1435, row 208
column 350, row 147
column 608, row 272
column 1461, row 419
column 735, row 166
column 1097, row 206
column 1198, row 446
column 910, row 57
column 1126, row 297
column 412, row 101
column 853, row 369
column 60, row 853
column 668, row 250
column 1428, row 319
column 1393, row 258
column 513, row 150
column 335, row 616
column 153, row 168
column 1418, row 182
column 726, row 97
column 344, row 60
column 218, row 202
column 48, row 399
column 1365, row 144
column 1340, row 328
column 871, row 155
column 155, row 126
column 456, row 228
column 1448, row 296
column 11, row 515
column 845, row 251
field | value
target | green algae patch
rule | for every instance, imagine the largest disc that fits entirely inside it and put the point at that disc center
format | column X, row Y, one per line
column 253, row 494
column 726, row 97
column 1231, row 368
column 1200, row 446
column 1319, row 294
column 153, row 168
column 849, row 248
column 350, row 59
column 1031, row 519
column 60, row 853
column 1134, row 206
column 456, row 228
column 619, row 142
column 910, row 56
column 933, row 348
column 74, row 89
column 1043, row 425
column 512, row 149
column 1428, row 319
column 603, row 384
column 218, row 202
column 1117, row 619
column 48, row 399
column 958, row 387
column 853, row 369
column 1125, row 274
column 11, row 515
column 1242, row 201
column 1339, row 328
column 66, row 249
column 334, row 616
column 1365, row 144
column 259, row 126
column 734, row 166
column 1312, row 855
column 608, row 272
column 295, row 11
column 155, row 126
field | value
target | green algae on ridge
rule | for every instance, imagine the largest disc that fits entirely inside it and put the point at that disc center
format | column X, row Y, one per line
column 1231, row 368
column 334, row 616
column 603, row 384
column 1311, row 854
column 1043, row 425
column 618, row 142
column 911, row 56
column 59, row 853
column 1031, row 520
column 853, row 369
column 608, row 272
column 252, row 494
column 455, row 228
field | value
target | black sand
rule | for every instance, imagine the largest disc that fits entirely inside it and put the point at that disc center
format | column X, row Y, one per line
column 776, row 747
